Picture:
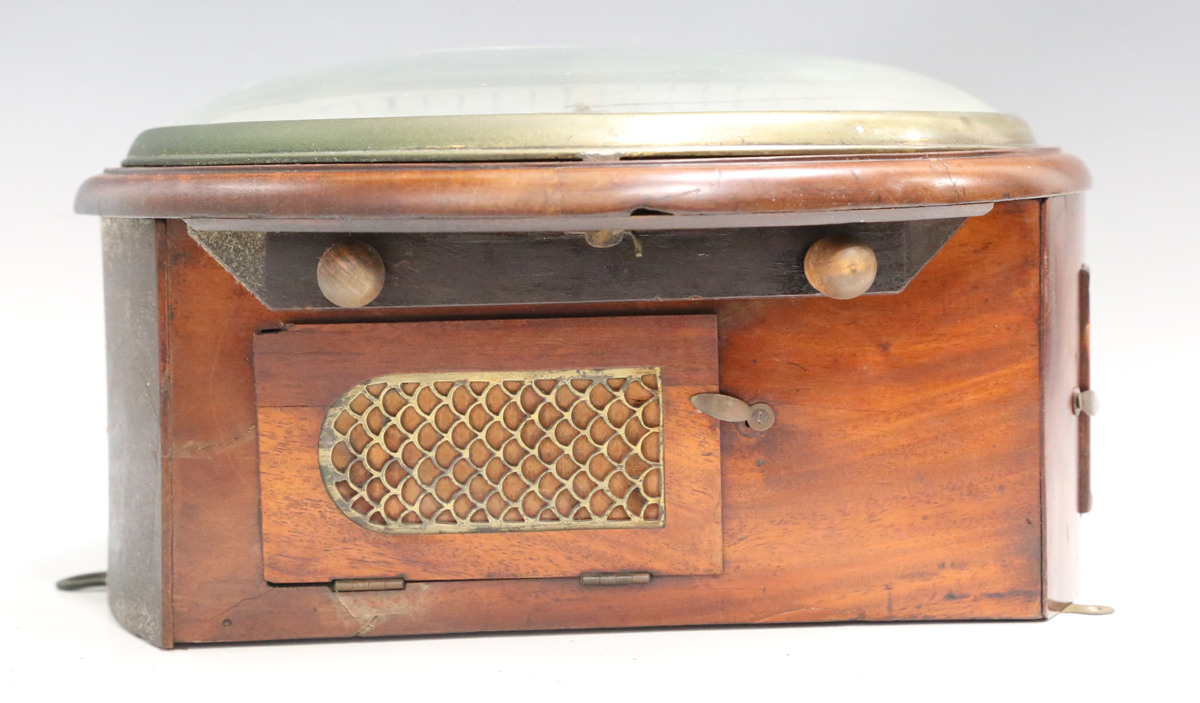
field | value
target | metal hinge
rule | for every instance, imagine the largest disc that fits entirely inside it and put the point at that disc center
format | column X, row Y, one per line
column 624, row 578
column 347, row 585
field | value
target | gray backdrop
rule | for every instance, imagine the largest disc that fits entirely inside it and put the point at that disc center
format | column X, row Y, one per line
column 1111, row 81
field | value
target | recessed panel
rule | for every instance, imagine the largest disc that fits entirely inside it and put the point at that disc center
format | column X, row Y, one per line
column 489, row 449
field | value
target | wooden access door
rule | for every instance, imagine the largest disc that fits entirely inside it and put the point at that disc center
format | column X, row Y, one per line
column 488, row 449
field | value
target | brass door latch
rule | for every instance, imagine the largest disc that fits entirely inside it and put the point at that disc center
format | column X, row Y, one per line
column 759, row 417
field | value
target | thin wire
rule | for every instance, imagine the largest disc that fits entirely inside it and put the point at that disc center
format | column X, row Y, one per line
column 76, row 583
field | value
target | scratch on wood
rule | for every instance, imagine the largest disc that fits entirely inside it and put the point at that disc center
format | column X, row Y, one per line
column 821, row 614
column 193, row 448
column 366, row 621
column 366, row 629
column 245, row 600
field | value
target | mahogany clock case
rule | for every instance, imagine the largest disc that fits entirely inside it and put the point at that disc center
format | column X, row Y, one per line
column 926, row 461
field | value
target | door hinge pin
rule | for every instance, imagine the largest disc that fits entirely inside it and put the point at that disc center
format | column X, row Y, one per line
column 625, row 578
column 348, row 585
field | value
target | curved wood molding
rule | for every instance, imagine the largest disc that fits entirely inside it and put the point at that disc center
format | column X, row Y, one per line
column 503, row 190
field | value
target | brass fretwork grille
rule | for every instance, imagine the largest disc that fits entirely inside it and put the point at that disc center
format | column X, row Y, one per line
column 493, row 452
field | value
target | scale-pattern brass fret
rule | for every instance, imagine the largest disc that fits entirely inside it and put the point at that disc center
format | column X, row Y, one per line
column 494, row 452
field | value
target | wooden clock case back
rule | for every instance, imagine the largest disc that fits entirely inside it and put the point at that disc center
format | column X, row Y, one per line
column 513, row 412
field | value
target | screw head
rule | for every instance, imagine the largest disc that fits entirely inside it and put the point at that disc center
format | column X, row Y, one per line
column 762, row 417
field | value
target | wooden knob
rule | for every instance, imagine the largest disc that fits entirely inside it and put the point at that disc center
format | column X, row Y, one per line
column 840, row 267
column 351, row 274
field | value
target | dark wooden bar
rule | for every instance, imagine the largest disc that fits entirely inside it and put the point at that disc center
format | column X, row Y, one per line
column 475, row 269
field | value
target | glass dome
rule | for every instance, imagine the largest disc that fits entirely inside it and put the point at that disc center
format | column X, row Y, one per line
column 558, row 103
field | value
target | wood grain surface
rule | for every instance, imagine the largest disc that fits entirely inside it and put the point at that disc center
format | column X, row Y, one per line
column 311, row 365
column 902, row 480
column 303, row 370
column 668, row 187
